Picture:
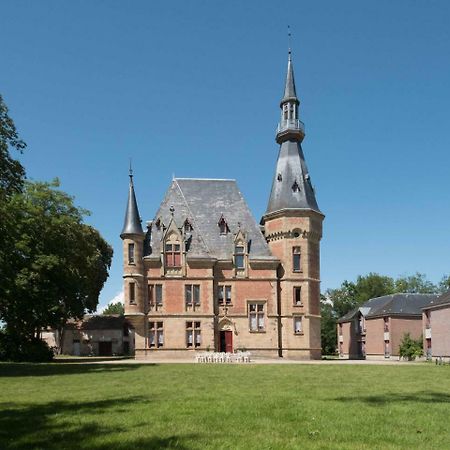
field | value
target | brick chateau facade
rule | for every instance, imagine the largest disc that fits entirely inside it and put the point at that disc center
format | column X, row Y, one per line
column 204, row 275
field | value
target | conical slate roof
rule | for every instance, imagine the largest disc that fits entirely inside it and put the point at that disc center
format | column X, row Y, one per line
column 291, row 186
column 132, row 223
column 289, row 87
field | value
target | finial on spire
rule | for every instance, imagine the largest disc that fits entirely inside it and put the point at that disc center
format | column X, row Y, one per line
column 289, row 41
column 130, row 171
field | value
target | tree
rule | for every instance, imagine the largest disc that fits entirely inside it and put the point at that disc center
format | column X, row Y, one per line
column 58, row 264
column 328, row 327
column 410, row 348
column 415, row 284
column 444, row 284
column 114, row 308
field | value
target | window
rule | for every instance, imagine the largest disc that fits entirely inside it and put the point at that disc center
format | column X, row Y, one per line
column 130, row 253
column 187, row 226
column 427, row 319
column 156, row 334
column 132, row 291
column 192, row 295
column 256, row 316
column 155, row 297
column 298, row 326
column 296, row 259
column 285, row 111
column 173, row 255
column 239, row 256
column 193, row 334
column 387, row 352
column 340, row 329
column 224, row 294
column 223, row 227
column 297, row 296
column 386, row 324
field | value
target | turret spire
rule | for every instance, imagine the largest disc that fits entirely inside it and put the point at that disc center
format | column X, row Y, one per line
column 291, row 187
column 132, row 223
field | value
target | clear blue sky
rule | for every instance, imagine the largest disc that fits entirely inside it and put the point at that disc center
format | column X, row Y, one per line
column 193, row 89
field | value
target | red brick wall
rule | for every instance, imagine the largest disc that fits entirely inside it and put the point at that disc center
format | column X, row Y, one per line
column 440, row 331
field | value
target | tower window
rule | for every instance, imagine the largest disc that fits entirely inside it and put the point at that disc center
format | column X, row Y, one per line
column 298, row 326
column 173, row 255
column 279, row 177
column 132, row 291
column 296, row 253
column 295, row 186
column 239, row 256
column 297, row 296
column 130, row 253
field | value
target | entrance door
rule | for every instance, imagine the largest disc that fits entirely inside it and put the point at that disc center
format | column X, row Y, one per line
column 104, row 348
column 226, row 341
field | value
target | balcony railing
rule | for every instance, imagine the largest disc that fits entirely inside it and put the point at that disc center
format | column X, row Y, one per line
column 291, row 124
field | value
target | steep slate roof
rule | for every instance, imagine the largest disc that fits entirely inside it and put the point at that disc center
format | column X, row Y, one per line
column 444, row 299
column 290, row 169
column 203, row 202
column 289, row 86
column 132, row 222
column 389, row 305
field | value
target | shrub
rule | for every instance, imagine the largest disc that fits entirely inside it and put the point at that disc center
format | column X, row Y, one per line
column 410, row 348
column 13, row 348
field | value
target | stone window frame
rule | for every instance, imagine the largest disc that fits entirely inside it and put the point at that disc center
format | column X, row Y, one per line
column 298, row 331
column 193, row 304
column 156, row 327
column 193, row 329
column 131, row 254
column 222, row 298
column 132, row 292
column 296, row 259
column 259, row 312
column 172, row 254
column 155, row 302
column 297, row 290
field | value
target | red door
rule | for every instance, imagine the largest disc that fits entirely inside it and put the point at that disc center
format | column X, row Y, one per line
column 226, row 341
column 229, row 341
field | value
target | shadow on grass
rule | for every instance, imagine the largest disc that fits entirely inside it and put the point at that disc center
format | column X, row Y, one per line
column 42, row 370
column 389, row 398
column 57, row 425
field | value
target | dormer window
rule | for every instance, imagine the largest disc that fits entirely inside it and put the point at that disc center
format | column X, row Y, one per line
column 158, row 223
column 239, row 253
column 223, row 227
column 187, row 226
column 173, row 255
column 295, row 186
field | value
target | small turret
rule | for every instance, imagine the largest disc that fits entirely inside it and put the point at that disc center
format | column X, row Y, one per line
column 132, row 223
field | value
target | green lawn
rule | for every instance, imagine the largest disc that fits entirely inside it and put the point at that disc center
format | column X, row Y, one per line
column 55, row 406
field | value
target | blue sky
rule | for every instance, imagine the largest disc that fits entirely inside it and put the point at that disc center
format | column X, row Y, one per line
column 193, row 89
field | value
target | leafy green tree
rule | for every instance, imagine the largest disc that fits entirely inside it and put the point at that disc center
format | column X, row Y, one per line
column 410, row 348
column 328, row 327
column 415, row 284
column 114, row 308
column 444, row 284
column 343, row 299
column 373, row 285
column 58, row 263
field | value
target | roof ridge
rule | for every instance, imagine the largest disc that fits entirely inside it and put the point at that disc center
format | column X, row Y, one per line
column 206, row 179
column 192, row 215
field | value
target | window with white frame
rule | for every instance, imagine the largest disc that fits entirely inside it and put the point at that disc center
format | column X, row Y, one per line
column 256, row 316
column 156, row 334
column 193, row 334
column 224, row 294
column 298, row 325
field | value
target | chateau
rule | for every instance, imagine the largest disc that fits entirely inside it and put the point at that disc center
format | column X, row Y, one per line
column 204, row 275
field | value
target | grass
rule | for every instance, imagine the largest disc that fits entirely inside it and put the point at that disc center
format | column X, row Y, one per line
column 121, row 406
